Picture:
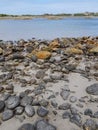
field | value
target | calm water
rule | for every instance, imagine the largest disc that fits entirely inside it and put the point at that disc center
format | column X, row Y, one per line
column 48, row 29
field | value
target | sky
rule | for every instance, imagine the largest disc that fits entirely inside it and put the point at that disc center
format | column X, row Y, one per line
column 47, row 6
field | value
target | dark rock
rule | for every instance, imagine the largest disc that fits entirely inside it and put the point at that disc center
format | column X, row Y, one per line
column 90, row 125
column 65, row 94
column 64, row 106
column 1, row 88
column 54, row 103
column 76, row 119
column 27, row 100
column 5, row 96
column 88, row 112
column 27, row 127
column 19, row 110
column 7, row 114
column 70, row 67
column 42, row 111
column 30, row 111
column 96, row 74
column 12, row 102
column 66, row 115
column 73, row 99
column 10, row 87
column 92, row 89
column 2, row 59
column 43, row 125
column 2, row 105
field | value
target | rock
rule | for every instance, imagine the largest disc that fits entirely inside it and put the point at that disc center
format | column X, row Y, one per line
column 94, row 50
column 43, row 54
column 70, row 67
column 12, row 102
column 96, row 66
column 64, row 106
column 92, row 89
column 44, row 103
column 30, row 111
column 2, row 105
column 19, row 110
column 26, row 100
column 42, row 111
column 76, row 119
column 54, row 103
column 73, row 99
column 40, row 74
column 65, row 94
column 1, row 88
column 1, row 51
column 73, row 110
column 54, row 44
column 56, row 77
column 43, row 125
column 88, row 112
column 66, row 115
column 7, row 114
column 27, row 127
column 75, row 51
column 96, row 114
column 96, row 74
column 34, row 58
column 17, row 56
column 2, row 59
column 90, row 125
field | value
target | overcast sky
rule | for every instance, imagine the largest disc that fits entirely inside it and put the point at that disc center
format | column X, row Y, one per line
column 47, row 6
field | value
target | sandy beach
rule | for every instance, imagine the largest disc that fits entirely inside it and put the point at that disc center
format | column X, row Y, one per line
column 55, row 81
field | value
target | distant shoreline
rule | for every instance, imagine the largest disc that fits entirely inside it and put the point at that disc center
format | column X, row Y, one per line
column 46, row 16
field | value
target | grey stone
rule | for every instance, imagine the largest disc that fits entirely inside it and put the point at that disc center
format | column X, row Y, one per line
column 64, row 106
column 19, row 110
column 54, row 103
column 12, row 102
column 88, row 112
column 96, row 114
column 40, row 74
column 90, row 125
column 2, row 105
column 92, row 89
column 29, row 110
column 26, row 127
column 65, row 94
column 76, row 119
column 34, row 58
column 43, row 103
column 43, row 125
column 42, row 111
column 66, row 115
column 26, row 100
column 73, row 99
column 73, row 110
column 7, row 114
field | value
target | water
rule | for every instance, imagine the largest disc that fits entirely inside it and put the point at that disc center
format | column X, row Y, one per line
column 48, row 29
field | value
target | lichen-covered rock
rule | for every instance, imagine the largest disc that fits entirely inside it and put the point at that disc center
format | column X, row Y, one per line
column 43, row 54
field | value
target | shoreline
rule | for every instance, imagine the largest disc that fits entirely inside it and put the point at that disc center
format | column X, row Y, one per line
column 50, row 84
column 50, row 17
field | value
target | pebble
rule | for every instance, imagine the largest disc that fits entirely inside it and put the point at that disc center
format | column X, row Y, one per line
column 76, row 119
column 7, row 114
column 92, row 89
column 19, row 110
column 54, row 103
column 73, row 99
column 27, row 126
column 43, row 125
column 88, row 112
column 2, row 105
column 40, row 74
column 64, row 106
column 44, row 103
column 90, row 125
column 65, row 94
column 42, row 111
column 26, row 100
column 66, row 115
column 12, row 102
column 29, row 110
